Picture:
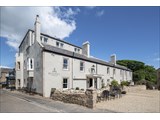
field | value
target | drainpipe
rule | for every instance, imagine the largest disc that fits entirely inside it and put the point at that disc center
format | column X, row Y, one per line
column 72, row 70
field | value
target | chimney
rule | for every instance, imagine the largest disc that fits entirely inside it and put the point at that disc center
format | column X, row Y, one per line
column 86, row 49
column 113, row 59
column 37, row 29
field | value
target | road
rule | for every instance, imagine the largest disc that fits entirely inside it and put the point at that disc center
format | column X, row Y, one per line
column 17, row 102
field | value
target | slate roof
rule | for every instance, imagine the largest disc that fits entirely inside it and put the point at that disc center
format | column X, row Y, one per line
column 60, row 51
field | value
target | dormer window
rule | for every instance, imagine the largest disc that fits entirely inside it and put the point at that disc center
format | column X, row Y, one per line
column 57, row 44
column 62, row 45
column 75, row 49
column 78, row 50
column 45, row 39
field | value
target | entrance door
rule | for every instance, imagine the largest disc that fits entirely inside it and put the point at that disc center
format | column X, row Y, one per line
column 90, row 82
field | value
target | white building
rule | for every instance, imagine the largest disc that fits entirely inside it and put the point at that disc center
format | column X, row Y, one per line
column 45, row 62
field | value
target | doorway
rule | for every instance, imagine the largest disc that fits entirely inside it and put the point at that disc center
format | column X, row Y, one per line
column 90, row 82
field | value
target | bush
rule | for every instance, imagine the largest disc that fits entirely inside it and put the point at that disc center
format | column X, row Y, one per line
column 77, row 88
column 114, row 83
column 82, row 89
column 123, row 92
column 150, row 85
column 125, row 83
column 141, row 82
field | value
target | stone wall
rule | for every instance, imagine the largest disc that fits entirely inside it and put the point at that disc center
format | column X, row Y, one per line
column 87, row 99
column 135, row 88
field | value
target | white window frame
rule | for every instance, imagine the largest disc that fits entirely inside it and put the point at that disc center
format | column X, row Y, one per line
column 45, row 39
column 81, row 66
column 65, row 83
column 66, row 64
column 75, row 49
column 114, row 71
column 61, row 45
column 29, row 60
column 57, row 44
column 18, row 65
column 108, row 70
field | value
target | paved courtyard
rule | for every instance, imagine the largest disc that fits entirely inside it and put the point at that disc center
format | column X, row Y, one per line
column 138, row 101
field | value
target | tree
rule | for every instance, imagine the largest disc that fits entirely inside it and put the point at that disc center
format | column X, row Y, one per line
column 132, row 64
column 140, row 70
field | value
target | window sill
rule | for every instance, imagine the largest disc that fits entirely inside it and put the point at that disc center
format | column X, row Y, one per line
column 82, row 71
column 65, row 69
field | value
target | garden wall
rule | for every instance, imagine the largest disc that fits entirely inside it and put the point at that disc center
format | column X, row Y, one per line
column 87, row 99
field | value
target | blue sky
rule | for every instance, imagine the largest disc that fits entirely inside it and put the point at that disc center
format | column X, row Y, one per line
column 129, row 32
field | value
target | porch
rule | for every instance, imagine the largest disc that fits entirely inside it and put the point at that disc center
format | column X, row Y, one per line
column 94, row 80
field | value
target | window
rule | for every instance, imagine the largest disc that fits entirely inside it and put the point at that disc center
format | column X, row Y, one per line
column 114, row 71
column 92, row 70
column 57, row 44
column 18, row 66
column 126, row 73
column 130, row 74
column 65, row 63
column 75, row 49
column 30, row 63
column 107, row 70
column 45, row 39
column 81, row 66
column 65, row 83
column 120, row 72
column 62, row 45
column 41, row 38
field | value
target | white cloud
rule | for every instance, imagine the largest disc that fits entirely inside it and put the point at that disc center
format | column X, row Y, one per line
column 55, row 21
column 157, row 59
column 4, row 66
column 100, row 13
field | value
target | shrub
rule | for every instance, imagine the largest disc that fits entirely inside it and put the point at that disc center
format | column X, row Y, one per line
column 114, row 83
column 123, row 92
column 77, row 88
column 125, row 83
column 141, row 82
column 82, row 89
column 150, row 85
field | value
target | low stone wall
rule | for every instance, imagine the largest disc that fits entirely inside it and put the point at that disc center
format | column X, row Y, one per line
column 135, row 88
column 87, row 99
